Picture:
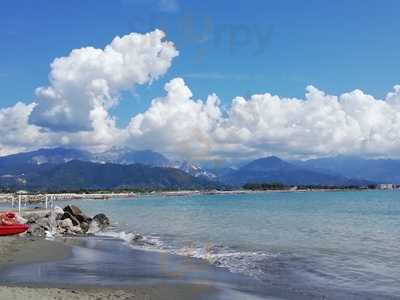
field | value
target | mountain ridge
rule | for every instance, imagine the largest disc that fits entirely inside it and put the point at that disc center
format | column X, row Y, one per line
column 273, row 169
column 336, row 171
column 76, row 175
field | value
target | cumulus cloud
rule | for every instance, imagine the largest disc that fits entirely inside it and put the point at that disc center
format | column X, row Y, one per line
column 15, row 131
column 89, row 80
column 74, row 111
column 318, row 125
column 177, row 124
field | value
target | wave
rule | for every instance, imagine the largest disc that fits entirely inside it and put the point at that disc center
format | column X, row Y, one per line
column 249, row 263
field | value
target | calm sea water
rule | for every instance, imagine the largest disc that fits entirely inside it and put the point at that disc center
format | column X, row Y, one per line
column 340, row 243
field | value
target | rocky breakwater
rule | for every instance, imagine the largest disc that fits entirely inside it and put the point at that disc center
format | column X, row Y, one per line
column 60, row 222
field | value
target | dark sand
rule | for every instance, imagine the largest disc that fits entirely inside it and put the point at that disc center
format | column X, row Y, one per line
column 23, row 251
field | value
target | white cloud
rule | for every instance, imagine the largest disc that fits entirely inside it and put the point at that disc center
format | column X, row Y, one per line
column 74, row 111
column 319, row 125
column 176, row 124
column 89, row 79
column 15, row 132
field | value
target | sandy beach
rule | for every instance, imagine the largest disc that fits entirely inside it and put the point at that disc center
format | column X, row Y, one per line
column 145, row 293
column 21, row 251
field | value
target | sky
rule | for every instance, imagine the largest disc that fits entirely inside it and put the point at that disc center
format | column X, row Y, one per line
column 201, row 79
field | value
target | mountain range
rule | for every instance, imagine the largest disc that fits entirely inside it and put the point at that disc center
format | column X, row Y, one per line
column 374, row 170
column 77, row 175
column 273, row 169
column 61, row 168
column 71, row 169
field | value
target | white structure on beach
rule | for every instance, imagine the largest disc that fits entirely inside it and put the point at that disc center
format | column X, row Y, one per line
column 386, row 186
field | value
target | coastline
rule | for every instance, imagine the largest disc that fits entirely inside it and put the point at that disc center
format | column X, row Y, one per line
column 20, row 251
column 38, row 198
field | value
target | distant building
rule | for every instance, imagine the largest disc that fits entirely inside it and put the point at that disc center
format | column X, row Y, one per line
column 386, row 186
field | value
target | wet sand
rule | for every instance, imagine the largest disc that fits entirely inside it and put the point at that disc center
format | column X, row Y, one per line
column 22, row 251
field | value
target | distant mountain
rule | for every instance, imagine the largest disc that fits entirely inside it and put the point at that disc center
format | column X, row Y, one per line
column 18, row 168
column 24, row 162
column 376, row 170
column 43, row 156
column 193, row 169
column 272, row 169
column 127, row 156
column 75, row 175
column 147, row 157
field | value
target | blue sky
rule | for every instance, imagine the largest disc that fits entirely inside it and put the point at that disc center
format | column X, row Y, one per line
column 227, row 47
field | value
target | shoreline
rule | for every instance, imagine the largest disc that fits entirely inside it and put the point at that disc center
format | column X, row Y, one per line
column 38, row 198
column 20, row 251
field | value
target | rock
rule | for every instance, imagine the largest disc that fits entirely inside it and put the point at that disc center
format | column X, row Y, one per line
column 101, row 220
column 31, row 220
column 82, row 218
column 68, row 215
column 73, row 210
column 36, row 230
column 76, row 229
column 137, row 237
column 85, row 227
column 58, row 210
column 44, row 223
column 65, row 224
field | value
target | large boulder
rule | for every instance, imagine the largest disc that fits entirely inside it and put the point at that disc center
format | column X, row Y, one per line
column 73, row 210
column 101, row 220
column 82, row 218
column 76, row 212
column 68, row 215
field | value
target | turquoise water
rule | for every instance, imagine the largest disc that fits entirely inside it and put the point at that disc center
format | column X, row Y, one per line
column 345, row 243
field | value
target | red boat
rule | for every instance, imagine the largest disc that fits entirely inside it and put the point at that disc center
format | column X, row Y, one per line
column 13, row 229
column 9, row 225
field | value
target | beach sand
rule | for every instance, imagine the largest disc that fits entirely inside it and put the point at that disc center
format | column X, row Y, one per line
column 21, row 250
column 145, row 293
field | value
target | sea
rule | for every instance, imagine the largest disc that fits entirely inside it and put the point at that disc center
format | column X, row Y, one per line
column 322, row 245
column 342, row 244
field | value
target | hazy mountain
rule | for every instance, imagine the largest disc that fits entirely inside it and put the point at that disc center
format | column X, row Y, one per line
column 272, row 169
column 76, row 175
column 127, row 156
column 23, row 162
column 326, row 171
column 43, row 156
column 376, row 170
column 193, row 169
column 147, row 157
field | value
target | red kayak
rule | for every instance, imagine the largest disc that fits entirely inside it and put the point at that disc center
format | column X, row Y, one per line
column 13, row 229
column 9, row 224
